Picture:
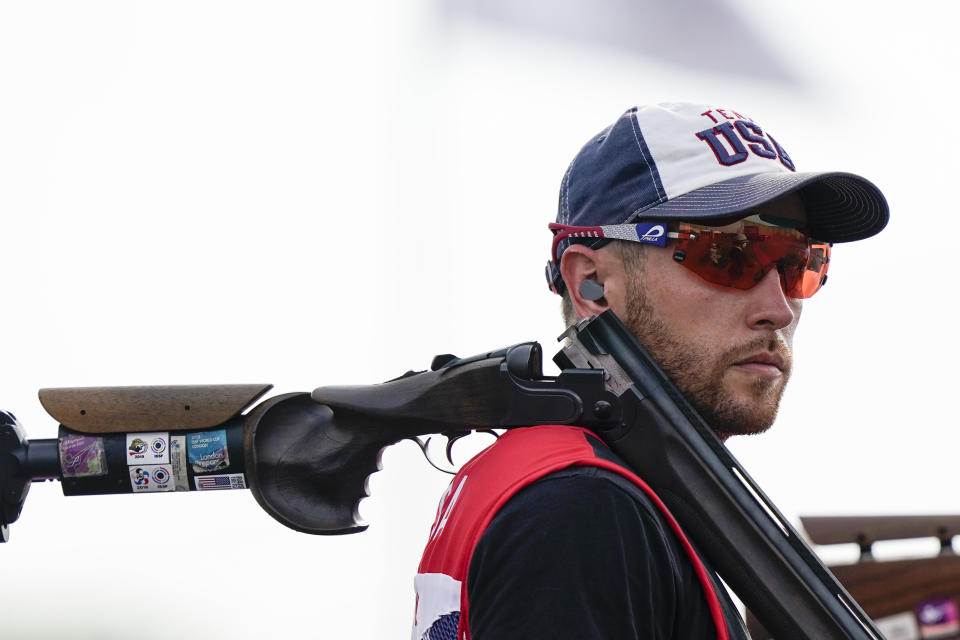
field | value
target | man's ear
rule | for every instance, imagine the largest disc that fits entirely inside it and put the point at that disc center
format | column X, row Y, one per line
column 577, row 265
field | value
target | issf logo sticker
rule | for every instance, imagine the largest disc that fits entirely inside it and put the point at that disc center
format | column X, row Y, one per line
column 158, row 445
column 161, row 475
column 148, row 448
column 151, row 477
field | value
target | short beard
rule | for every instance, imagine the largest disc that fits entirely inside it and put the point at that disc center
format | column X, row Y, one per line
column 698, row 371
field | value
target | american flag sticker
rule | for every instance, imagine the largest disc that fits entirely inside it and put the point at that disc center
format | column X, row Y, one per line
column 225, row 481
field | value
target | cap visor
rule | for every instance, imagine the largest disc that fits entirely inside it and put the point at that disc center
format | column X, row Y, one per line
column 840, row 207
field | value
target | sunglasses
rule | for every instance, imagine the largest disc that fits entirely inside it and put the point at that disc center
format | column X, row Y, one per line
column 737, row 255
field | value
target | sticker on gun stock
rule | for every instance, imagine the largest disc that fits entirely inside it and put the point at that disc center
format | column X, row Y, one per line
column 151, row 477
column 178, row 463
column 223, row 481
column 207, row 451
column 82, row 456
column 148, row 448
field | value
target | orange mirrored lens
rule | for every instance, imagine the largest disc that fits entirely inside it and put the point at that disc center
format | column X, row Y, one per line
column 740, row 258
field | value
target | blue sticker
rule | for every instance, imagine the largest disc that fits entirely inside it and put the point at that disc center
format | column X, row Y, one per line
column 652, row 233
column 207, row 451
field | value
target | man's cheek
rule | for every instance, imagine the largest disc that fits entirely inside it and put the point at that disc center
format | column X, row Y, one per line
column 797, row 311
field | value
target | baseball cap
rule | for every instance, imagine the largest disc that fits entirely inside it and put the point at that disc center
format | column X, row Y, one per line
column 698, row 163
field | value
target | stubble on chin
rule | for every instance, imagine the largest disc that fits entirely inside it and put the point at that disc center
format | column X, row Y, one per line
column 699, row 372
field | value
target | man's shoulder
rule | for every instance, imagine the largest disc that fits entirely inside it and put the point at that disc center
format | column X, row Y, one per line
column 556, row 470
column 542, row 447
column 584, row 499
column 527, row 468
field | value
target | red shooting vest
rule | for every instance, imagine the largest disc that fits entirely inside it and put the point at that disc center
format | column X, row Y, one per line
column 475, row 495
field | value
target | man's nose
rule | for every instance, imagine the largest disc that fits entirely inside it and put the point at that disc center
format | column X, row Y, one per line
column 769, row 307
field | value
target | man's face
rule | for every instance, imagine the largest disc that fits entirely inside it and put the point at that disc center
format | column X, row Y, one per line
column 728, row 350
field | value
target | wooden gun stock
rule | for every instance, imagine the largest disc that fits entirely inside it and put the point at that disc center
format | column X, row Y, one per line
column 134, row 409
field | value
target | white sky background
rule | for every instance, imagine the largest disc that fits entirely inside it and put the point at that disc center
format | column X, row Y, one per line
column 331, row 193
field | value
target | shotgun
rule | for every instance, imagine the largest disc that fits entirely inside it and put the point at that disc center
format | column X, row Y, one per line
column 307, row 456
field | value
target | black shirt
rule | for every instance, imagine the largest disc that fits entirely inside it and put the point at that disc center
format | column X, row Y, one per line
column 583, row 553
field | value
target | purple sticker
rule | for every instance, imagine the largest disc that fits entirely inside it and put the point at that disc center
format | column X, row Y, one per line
column 82, row 456
column 938, row 618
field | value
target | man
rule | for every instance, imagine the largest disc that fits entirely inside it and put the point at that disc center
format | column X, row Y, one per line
column 716, row 242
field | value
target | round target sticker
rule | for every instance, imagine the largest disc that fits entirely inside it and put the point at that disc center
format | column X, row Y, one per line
column 161, row 475
column 158, row 445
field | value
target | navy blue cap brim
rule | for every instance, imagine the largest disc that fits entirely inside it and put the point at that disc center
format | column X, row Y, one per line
column 840, row 207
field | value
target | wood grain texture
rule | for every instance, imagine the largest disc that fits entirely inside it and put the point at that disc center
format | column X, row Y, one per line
column 157, row 408
column 866, row 530
column 886, row 588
